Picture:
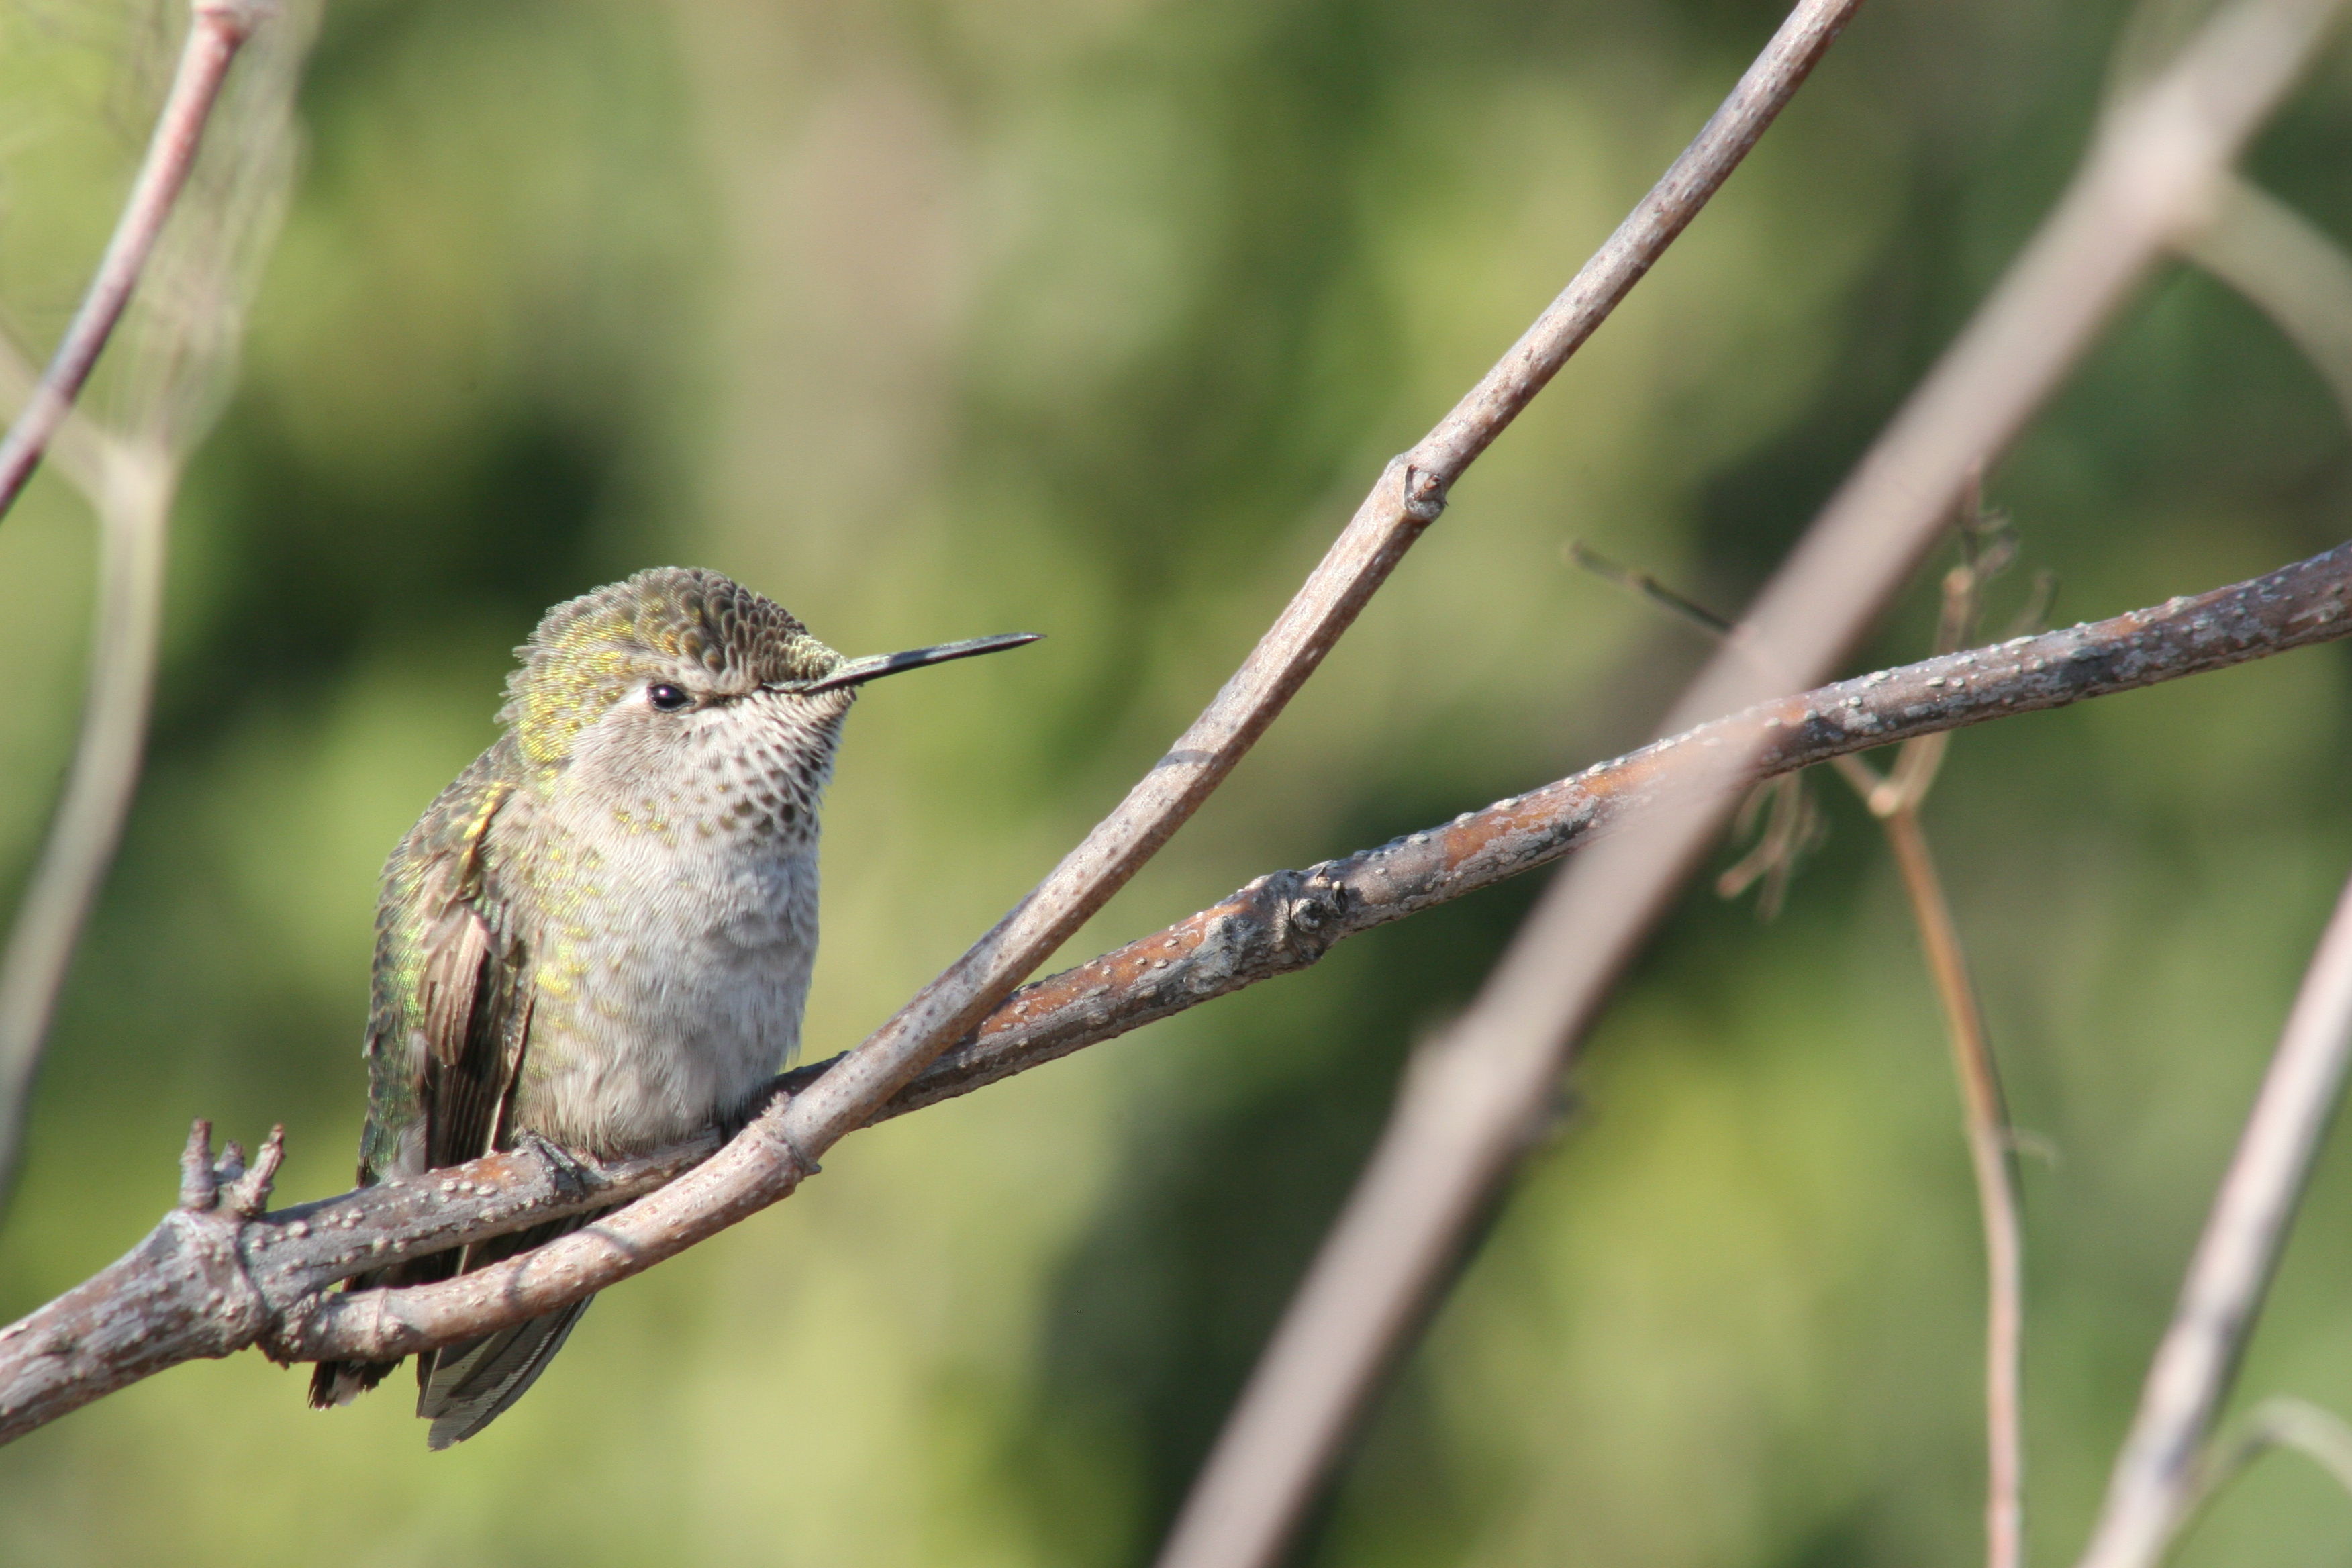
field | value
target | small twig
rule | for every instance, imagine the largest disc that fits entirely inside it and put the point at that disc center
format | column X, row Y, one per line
column 1461, row 1121
column 2289, row 269
column 217, row 31
column 100, row 1336
column 1896, row 800
column 1990, row 1161
column 2282, row 1422
column 2156, row 1472
column 1648, row 587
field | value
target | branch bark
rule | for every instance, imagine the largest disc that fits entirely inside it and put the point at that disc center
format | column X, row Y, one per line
column 211, row 1281
column 1410, row 495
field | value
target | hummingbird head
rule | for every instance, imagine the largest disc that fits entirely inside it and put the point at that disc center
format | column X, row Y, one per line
column 682, row 695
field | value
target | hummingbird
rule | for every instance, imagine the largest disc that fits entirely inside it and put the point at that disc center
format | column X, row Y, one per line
column 601, row 933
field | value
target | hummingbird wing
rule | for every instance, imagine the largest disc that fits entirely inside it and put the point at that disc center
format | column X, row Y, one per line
column 450, row 1009
column 447, row 1020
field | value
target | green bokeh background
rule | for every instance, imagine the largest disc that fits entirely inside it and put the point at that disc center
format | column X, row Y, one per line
column 1096, row 317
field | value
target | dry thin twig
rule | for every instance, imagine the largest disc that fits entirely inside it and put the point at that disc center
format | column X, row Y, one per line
column 2288, row 269
column 1992, row 1163
column 1469, row 1100
column 2277, row 1423
column 1409, row 495
column 1895, row 800
column 211, row 1284
column 217, row 30
column 2157, row 1473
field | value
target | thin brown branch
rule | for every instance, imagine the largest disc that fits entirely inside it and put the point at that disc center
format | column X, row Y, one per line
column 217, row 29
column 190, row 289
column 79, row 448
column 1992, row 1163
column 1464, row 1113
column 2156, row 1474
column 1409, row 495
column 1895, row 800
column 2289, row 269
column 91, row 1341
column 2281, row 1422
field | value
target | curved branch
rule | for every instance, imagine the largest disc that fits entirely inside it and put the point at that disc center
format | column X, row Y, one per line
column 217, row 30
column 2156, row 1474
column 167, row 1300
column 133, row 500
column 2288, row 269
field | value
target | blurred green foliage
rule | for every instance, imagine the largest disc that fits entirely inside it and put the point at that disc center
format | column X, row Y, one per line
column 1096, row 317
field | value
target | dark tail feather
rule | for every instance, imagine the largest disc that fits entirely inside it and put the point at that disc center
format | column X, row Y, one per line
column 334, row 1383
column 462, row 1388
column 471, row 1383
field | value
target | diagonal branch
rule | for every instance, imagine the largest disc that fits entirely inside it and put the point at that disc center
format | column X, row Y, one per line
column 191, row 289
column 1461, row 1121
column 211, row 1283
column 2157, row 1473
column 133, row 502
column 2280, row 1422
column 1411, row 494
column 215, row 32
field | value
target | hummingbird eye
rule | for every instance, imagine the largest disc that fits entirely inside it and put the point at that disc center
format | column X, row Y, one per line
column 667, row 698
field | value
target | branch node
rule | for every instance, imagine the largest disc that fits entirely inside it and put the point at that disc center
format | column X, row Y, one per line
column 1424, row 492
column 768, row 1127
column 247, row 1191
column 239, row 19
column 1309, row 911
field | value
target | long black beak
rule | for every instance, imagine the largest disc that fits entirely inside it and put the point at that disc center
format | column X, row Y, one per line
column 872, row 666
